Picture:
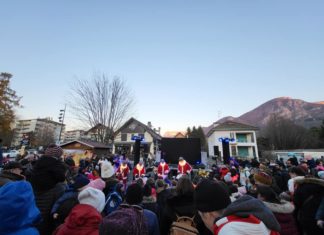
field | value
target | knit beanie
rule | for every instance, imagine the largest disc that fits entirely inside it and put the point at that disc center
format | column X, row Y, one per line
column 97, row 184
column 80, row 181
column 54, row 151
column 125, row 221
column 211, row 196
column 134, row 194
column 92, row 197
column 263, row 178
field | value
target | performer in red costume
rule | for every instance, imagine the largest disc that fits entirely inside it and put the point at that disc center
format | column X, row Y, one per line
column 163, row 169
column 122, row 173
column 139, row 170
column 184, row 167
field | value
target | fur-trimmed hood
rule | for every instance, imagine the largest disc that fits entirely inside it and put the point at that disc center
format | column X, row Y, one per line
column 316, row 181
column 284, row 207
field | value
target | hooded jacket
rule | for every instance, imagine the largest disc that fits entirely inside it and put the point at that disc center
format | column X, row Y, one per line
column 18, row 213
column 6, row 177
column 83, row 220
column 246, row 207
column 284, row 214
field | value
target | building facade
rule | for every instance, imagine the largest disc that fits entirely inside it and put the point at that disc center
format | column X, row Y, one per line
column 123, row 143
column 25, row 128
column 73, row 135
column 242, row 140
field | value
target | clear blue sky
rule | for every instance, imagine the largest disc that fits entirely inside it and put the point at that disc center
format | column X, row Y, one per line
column 186, row 61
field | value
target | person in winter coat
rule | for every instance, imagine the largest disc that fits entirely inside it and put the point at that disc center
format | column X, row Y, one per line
column 11, row 172
column 134, row 197
column 48, row 184
column 307, row 199
column 127, row 220
column 18, row 213
column 283, row 210
column 181, row 204
column 85, row 217
column 320, row 215
column 245, row 216
column 63, row 206
column 149, row 202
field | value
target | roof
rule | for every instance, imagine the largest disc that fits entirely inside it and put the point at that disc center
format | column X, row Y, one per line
column 91, row 144
column 99, row 125
column 147, row 129
column 231, row 126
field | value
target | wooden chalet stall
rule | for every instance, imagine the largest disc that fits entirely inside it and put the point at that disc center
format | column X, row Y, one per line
column 80, row 149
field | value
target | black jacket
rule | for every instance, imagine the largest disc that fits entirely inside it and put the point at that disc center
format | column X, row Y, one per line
column 45, row 201
column 180, row 205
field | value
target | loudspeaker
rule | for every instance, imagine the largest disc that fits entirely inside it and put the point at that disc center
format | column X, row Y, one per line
column 137, row 146
column 216, row 150
column 226, row 152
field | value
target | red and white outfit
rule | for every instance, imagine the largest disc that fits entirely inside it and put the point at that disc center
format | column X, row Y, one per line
column 122, row 173
column 139, row 170
column 163, row 169
column 184, row 167
column 237, row 225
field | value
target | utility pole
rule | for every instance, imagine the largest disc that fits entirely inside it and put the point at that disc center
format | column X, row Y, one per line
column 61, row 120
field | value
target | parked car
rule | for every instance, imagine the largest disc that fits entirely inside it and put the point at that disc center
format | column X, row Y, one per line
column 32, row 151
column 10, row 153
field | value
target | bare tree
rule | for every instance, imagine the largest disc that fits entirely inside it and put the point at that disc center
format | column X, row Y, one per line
column 101, row 102
column 43, row 137
column 285, row 134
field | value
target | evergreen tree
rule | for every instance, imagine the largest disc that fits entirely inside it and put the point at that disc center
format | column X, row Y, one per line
column 8, row 101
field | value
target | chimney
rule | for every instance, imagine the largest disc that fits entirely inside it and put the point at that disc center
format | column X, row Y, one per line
column 149, row 124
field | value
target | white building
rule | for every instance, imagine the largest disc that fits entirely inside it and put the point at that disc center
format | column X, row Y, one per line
column 243, row 144
column 123, row 142
column 25, row 127
column 73, row 135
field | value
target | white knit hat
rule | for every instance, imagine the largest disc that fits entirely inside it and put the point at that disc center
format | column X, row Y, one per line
column 92, row 197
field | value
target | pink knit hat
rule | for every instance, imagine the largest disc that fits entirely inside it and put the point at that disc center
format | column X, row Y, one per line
column 97, row 184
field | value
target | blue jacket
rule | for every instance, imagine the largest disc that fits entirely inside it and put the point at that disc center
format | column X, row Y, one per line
column 18, row 212
column 152, row 222
column 69, row 193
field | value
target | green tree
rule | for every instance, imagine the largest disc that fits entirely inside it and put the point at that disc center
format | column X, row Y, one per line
column 198, row 133
column 188, row 132
column 8, row 101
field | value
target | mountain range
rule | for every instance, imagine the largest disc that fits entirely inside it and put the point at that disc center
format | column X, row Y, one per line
column 307, row 114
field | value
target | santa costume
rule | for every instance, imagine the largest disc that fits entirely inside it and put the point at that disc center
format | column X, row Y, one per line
column 184, row 167
column 139, row 170
column 163, row 169
column 122, row 172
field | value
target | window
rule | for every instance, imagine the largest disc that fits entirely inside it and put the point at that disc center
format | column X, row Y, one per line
column 241, row 138
column 124, row 137
column 141, row 135
column 233, row 149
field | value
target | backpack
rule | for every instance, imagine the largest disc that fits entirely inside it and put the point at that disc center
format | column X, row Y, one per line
column 184, row 226
column 65, row 208
column 113, row 201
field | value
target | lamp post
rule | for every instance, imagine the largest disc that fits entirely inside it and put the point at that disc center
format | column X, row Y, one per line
column 61, row 120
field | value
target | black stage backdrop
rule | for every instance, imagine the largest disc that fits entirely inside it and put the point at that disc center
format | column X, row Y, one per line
column 188, row 148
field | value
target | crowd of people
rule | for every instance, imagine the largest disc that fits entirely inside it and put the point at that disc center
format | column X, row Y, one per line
column 52, row 194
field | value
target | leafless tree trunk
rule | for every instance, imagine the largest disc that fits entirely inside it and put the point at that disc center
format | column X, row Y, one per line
column 284, row 134
column 101, row 101
column 44, row 136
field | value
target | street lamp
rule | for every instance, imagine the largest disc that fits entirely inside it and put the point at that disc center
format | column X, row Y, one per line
column 61, row 120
